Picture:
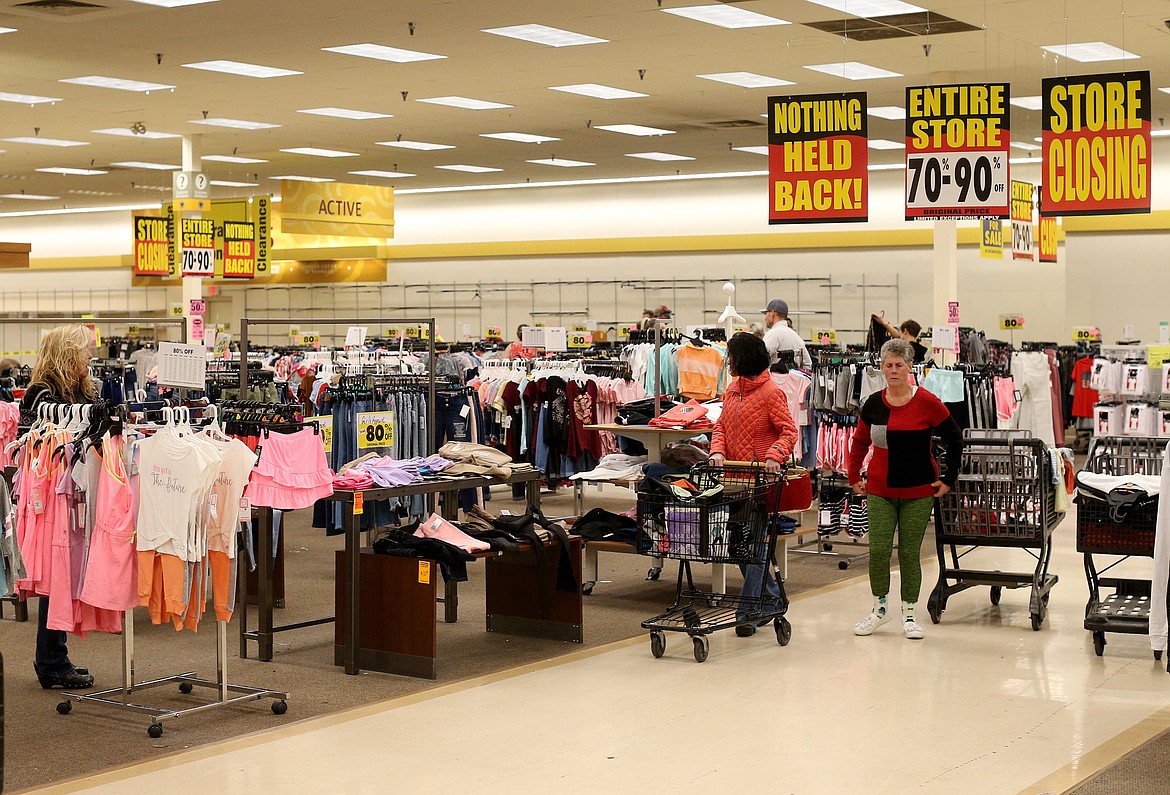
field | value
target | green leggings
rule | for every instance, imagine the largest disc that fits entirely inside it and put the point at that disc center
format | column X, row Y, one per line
column 910, row 517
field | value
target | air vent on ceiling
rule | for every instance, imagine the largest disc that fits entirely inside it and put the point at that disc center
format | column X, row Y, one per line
column 736, row 124
column 64, row 8
column 898, row 26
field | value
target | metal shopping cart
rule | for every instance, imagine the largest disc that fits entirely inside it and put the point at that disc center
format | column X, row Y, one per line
column 1103, row 529
column 724, row 514
column 1004, row 497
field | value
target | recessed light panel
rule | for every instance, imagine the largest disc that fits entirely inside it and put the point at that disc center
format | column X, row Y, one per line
column 299, row 178
column 380, row 53
column 752, row 150
column 747, row 79
column 543, row 34
column 465, row 103
column 227, row 183
column 524, row 138
column 97, row 81
column 892, row 112
column 146, row 165
column 242, row 69
column 1027, row 147
column 31, row 99
column 1167, row 89
column 660, row 156
column 1027, row 103
column 552, row 161
column 7, row 30
column 870, row 8
column 235, row 124
column 36, row 197
column 633, row 129
column 421, row 146
column 726, row 16
column 382, row 174
column 314, row 151
column 1091, row 51
column 853, row 70
column 128, row 133
column 346, row 113
column 74, row 172
column 45, row 141
column 470, row 169
column 173, row 3
column 232, row 159
column 597, row 91
column 882, row 143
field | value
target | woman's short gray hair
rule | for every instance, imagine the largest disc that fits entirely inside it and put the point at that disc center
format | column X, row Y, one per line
column 896, row 347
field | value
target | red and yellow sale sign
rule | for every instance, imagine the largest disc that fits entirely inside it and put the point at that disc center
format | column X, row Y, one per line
column 1096, row 134
column 818, row 159
column 1047, row 227
column 151, row 246
column 239, row 250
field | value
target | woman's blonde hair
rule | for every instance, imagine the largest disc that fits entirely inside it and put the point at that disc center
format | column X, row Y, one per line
column 57, row 359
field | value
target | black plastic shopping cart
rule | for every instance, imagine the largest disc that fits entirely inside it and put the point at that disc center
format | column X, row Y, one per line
column 724, row 514
column 1118, row 527
column 1004, row 497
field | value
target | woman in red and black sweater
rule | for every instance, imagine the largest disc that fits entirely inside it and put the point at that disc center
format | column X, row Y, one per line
column 755, row 425
column 900, row 423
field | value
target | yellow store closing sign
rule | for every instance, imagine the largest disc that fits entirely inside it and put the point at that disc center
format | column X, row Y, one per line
column 332, row 208
column 151, row 246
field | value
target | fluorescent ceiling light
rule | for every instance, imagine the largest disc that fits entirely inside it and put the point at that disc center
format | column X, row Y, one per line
column 30, row 196
column 7, row 30
column 32, row 99
column 886, row 166
column 172, row 3
column 660, row 156
column 1027, row 103
column 74, row 172
column 747, row 79
column 1159, row 133
column 598, row 91
column 45, row 141
column 1016, row 161
column 882, row 143
column 633, row 129
column 726, row 16
column 98, row 81
column 227, row 183
column 298, row 178
column 853, row 70
column 235, row 124
column 232, row 159
column 543, row 34
column 598, row 181
column 313, row 151
column 1025, row 146
column 869, row 9
column 752, row 150
column 422, row 146
column 470, row 169
column 382, row 174
column 242, row 69
column 524, row 138
column 75, row 210
column 466, row 103
column 381, row 53
column 1090, row 51
column 1167, row 89
column 552, row 161
column 345, row 113
column 128, row 133
column 1038, row 139
column 144, row 164
column 892, row 112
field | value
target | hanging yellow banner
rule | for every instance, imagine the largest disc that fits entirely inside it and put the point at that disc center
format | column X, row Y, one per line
column 333, row 208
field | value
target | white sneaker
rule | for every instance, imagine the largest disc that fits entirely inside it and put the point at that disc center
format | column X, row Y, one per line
column 913, row 629
column 867, row 625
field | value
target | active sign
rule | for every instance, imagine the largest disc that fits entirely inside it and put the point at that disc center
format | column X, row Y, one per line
column 1096, row 134
column 818, row 159
column 957, row 139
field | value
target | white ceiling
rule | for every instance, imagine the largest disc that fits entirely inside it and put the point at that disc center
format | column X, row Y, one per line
column 122, row 40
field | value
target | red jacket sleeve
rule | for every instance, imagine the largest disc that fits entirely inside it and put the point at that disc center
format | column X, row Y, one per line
column 719, row 438
column 781, row 449
column 857, row 451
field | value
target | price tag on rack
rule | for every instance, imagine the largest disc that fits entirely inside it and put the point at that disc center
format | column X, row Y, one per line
column 325, row 423
column 132, row 329
column 175, row 310
column 375, row 429
column 393, row 332
column 198, row 306
column 492, row 333
column 824, row 336
column 355, row 336
column 1011, row 322
column 1084, row 333
column 580, row 329
column 310, row 338
column 294, row 332
column 952, row 311
column 579, row 339
column 359, row 503
column 946, row 338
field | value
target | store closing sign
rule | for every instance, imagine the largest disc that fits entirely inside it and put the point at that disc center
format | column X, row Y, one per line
column 1022, row 193
column 957, row 139
column 818, row 159
column 151, row 246
column 1096, row 137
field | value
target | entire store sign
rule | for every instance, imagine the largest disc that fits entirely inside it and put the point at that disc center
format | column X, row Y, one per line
column 334, row 208
column 991, row 239
column 957, row 139
column 239, row 250
column 198, row 247
column 1022, row 194
column 151, row 246
column 1096, row 137
column 818, row 158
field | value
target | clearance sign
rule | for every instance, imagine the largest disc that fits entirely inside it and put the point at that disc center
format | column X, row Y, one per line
column 1096, row 134
column 1022, row 193
column 239, row 250
column 957, row 139
column 818, row 159
column 151, row 246
column 332, row 208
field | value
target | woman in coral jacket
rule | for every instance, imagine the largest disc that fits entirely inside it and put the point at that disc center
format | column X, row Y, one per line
column 755, row 425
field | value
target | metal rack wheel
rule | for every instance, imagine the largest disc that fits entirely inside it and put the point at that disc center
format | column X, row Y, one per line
column 653, row 574
column 1038, row 620
column 1099, row 643
column 783, row 630
column 702, row 647
column 842, row 564
column 827, row 546
column 658, row 643
column 186, row 687
column 587, row 588
column 64, row 707
column 280, row 707
column 155, row 730
column 996, row 594
column 1158, row 654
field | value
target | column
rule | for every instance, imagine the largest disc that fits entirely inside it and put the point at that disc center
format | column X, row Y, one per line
column 192, row 285
column 946, row 274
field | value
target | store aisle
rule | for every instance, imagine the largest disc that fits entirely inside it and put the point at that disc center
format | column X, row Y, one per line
column 983, row 705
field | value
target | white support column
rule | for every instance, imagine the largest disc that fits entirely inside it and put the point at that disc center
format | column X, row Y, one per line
column 192, row 285
column 946, row 271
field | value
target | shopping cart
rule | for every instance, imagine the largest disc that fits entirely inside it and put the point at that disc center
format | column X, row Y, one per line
column 724, row 514
column 1101, row 530
column 1004, row 497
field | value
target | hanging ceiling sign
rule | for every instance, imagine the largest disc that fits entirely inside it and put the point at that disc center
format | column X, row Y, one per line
column 1047, row 227
column 151, row 246
column 818, row 159
column 334, row 208
column 991, row 241
column 1022, row 193
column 1096, row 134
column 239, row 250
column 957, row 139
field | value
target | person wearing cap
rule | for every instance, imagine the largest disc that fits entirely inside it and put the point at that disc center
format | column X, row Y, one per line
column 780, row 336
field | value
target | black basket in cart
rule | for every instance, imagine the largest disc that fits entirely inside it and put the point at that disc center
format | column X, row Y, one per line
column 1004, row 497
column 1105, row 530
column 713, row 515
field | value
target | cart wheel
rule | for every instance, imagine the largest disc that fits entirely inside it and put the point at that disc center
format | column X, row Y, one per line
column 155, row 730
column 783, row 630
column 996, row 594
column 1099, row 643
column 1158, row 654
column 65, row 707
column 657, row 643
column 653, row 574
column 587, row 588
column 186, row 687
column 701, row 647
column 1037, row 621
column 280, row 707
column 828, row 546
column 842, row 564
column 934, row 610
